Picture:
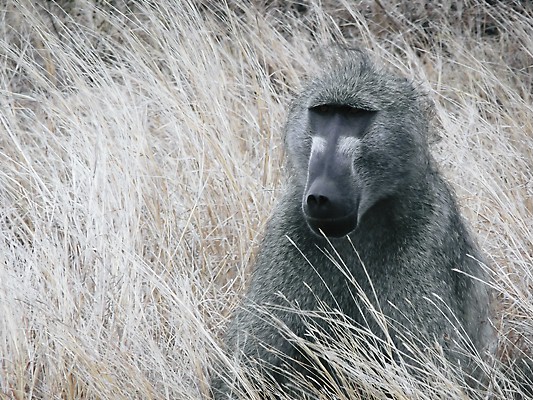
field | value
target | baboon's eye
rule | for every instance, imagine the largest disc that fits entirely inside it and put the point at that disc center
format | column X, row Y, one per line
column 354, row 110
column 323, row 108
column 337, row 108
column 340, row 119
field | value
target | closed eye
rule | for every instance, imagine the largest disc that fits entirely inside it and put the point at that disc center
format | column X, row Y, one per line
column 337, row 108
column 339, row 120
column 322, row 109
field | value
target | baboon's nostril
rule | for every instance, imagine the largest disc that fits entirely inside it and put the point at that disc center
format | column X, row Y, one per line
column 316, row 200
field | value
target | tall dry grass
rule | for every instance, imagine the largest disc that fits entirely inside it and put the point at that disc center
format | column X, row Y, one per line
column 141, row 153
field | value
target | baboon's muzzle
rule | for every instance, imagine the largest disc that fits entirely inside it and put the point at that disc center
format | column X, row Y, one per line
column 329, row 209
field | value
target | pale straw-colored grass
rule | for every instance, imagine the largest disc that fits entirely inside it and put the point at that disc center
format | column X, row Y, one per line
column 141, row 152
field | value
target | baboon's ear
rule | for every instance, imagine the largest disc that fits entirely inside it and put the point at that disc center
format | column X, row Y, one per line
column 434, row 136
column 426, row 103
column 427, row 106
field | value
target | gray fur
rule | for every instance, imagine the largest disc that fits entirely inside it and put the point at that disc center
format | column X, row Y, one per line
column 409, row 233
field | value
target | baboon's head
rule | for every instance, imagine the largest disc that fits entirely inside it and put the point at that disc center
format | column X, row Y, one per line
column 355, row 137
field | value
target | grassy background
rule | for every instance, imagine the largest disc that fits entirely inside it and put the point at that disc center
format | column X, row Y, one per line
column 141, row 153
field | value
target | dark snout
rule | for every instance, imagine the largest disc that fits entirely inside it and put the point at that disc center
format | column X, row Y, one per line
column 331, row 198
column 329, row 206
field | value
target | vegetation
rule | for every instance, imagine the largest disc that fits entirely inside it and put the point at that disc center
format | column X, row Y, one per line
column 141, row 154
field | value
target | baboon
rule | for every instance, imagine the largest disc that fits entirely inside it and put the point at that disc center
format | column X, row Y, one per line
column 360, row 180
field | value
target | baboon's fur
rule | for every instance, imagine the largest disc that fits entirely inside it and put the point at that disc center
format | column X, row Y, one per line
column 410, row 237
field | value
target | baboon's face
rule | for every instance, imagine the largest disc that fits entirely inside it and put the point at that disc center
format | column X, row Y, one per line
column 331, row 200
column 353, row 141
